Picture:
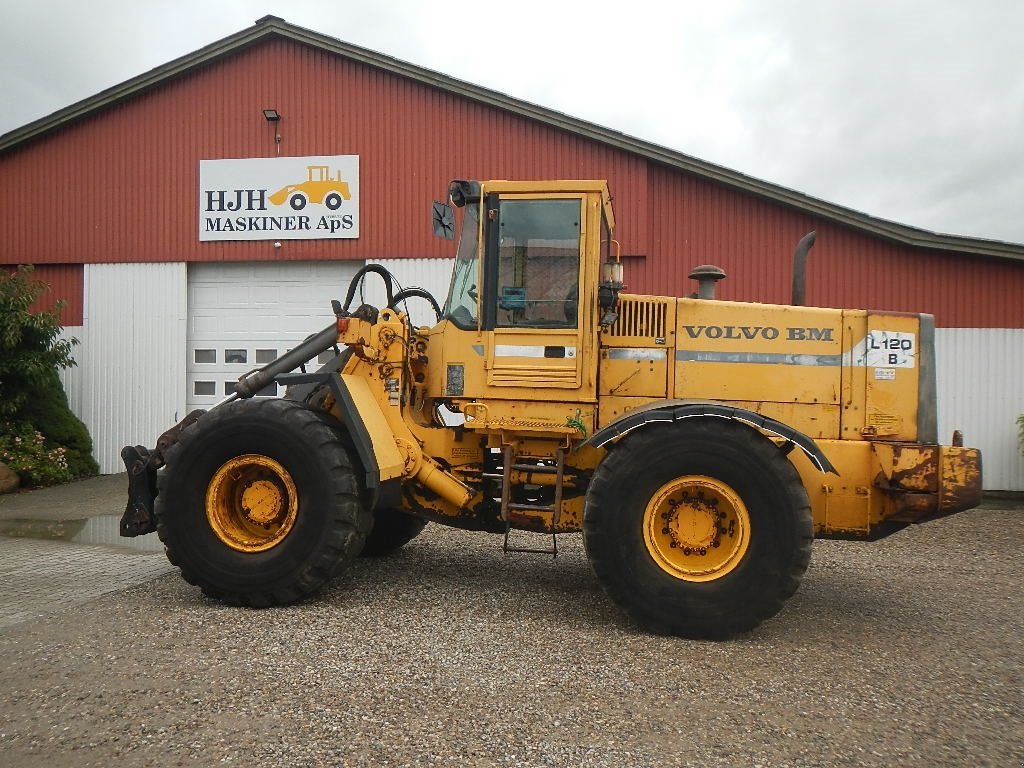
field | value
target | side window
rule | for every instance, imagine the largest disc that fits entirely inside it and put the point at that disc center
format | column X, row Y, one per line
column 462, row 302
column 538, row 263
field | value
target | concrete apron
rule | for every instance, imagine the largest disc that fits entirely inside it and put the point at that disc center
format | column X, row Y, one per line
column 59, row 548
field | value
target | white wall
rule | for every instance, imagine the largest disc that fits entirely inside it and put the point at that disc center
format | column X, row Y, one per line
column 981, row 392
column 129, row 384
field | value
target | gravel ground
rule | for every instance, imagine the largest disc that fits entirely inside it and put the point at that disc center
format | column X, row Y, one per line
column 908, row 651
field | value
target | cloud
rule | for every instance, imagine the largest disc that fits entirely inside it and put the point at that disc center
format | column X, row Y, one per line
column 909, row 111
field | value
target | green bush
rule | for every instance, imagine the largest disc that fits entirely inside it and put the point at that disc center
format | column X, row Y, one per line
column 1020, row 433
column 32, row 399
column 49, row 412
column 30, row 343
column 25, row 450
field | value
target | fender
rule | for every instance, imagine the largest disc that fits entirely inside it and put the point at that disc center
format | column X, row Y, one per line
column 361, row 416
column 376, row 443
column 677, row 410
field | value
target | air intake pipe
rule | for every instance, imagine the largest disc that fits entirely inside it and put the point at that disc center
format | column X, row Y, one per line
column 706, row 276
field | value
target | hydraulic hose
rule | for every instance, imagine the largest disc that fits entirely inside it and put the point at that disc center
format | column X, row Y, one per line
column 423, row 293
column 377, row 268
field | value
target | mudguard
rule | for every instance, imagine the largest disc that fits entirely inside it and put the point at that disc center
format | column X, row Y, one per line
column 679, row 410
column 371, row 434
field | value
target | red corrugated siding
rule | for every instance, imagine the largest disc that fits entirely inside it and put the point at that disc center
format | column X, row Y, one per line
column 753, row 240
column 122, row 185
column 66, row 282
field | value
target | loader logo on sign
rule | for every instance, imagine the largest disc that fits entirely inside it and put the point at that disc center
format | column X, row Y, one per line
column 281, row 198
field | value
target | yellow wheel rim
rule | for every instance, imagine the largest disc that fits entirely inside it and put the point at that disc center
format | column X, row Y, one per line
column 696, row 528
column 251, row 503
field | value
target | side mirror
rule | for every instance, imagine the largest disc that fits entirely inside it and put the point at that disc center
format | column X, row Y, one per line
column 443, row 220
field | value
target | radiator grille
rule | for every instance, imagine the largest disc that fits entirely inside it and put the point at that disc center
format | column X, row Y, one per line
column 640, row 317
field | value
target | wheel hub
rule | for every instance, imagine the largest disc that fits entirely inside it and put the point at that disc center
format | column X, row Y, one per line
column 262, row 502
column 693, row 523
column 251, row 503
column 696, row 528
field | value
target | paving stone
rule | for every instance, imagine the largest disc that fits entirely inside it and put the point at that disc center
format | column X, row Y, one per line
column 42, row 577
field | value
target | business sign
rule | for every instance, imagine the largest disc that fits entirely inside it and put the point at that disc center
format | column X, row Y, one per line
column 279, row 198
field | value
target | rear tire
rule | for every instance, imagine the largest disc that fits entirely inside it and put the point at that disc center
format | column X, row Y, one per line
column 701, row 528
column 259, row 503
column 392, row 529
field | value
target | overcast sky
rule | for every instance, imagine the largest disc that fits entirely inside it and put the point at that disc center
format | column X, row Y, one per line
column 912, row 111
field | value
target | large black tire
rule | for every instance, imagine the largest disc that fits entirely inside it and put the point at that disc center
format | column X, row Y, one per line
column 392, row 529
column 259, row 503
column 700, row 528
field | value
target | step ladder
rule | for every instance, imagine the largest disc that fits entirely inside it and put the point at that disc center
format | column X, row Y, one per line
column 510, row 463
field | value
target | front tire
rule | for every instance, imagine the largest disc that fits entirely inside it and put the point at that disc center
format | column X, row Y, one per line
column 260, row 503
column 701, row 528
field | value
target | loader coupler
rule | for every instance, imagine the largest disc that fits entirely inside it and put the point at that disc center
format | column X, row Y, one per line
column 138, row 518
column 142, row 463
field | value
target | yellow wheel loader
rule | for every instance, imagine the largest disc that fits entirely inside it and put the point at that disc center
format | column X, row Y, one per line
column 698, row 444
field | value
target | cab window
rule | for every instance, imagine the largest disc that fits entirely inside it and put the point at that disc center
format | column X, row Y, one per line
column 461, row 306
column 538, row 263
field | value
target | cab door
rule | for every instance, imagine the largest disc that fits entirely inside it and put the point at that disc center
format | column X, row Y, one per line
column 534, row 326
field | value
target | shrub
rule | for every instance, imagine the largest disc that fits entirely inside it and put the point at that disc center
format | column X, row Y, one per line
column 1020, row 433
column 24, row 449
column 32, row 399
column 30, row 343
column 48, row 411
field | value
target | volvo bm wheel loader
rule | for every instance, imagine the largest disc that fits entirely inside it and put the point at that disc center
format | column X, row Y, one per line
column 698, row 444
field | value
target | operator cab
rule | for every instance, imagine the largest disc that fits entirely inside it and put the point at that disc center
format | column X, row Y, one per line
column 524, row 297
column 533, row 240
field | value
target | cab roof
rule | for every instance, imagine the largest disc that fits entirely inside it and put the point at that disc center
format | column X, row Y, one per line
column 554, row 187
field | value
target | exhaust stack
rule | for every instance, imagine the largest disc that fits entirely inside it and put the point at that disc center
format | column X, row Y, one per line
column 800, row 268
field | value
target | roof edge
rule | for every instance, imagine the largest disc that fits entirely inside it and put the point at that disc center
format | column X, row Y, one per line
column 274, row 25
column 124, row 90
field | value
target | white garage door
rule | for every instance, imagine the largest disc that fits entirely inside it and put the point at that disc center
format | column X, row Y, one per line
column 243, row 315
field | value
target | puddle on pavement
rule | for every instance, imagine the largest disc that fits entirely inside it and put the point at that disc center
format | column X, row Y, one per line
column 102, row 530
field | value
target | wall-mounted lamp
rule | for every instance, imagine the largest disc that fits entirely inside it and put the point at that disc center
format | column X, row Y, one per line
column 274, row 118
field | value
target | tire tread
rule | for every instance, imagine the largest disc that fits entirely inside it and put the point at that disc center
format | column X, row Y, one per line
column 347, row 517
column 704, row 618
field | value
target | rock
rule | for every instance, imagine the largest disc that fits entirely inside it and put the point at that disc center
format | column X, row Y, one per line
column 9, row 480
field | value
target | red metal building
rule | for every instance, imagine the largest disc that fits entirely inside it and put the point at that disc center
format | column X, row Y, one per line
column 114, row 180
